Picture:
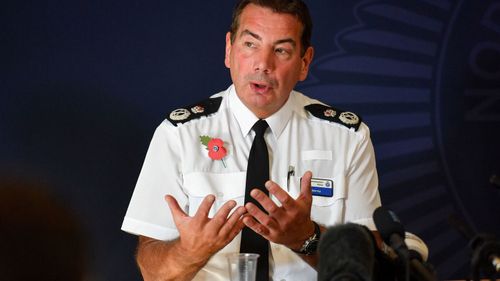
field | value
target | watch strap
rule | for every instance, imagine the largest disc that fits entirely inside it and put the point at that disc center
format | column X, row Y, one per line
column 310, row 245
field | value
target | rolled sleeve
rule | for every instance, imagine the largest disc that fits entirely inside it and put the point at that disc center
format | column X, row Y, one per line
column 148, row 213
column 362, row 181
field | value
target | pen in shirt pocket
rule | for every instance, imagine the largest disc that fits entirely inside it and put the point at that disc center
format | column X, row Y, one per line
column 290, row 173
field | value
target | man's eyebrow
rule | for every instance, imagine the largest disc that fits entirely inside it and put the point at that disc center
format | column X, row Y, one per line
column 286, row 40
column 256, row 36
column 248, row 32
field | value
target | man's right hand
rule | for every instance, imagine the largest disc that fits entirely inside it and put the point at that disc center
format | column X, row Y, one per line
column 200, row 236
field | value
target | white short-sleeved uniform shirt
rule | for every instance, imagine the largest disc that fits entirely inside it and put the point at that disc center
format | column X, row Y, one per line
column 177, row 163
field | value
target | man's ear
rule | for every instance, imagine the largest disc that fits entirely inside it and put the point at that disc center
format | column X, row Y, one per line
column 227, row 59
column 306, row 62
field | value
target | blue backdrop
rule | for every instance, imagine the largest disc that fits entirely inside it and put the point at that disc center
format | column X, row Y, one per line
column 84, row 83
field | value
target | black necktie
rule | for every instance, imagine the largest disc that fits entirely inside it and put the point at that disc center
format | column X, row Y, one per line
column 257, row 175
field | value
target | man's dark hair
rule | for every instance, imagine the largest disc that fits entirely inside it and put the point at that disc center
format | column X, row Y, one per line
column 293, row 7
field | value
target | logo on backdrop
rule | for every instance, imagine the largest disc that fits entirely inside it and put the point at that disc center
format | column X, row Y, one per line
column 425, row 77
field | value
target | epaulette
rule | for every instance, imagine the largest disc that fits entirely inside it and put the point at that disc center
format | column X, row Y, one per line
column 335, row 115
column 195, row 111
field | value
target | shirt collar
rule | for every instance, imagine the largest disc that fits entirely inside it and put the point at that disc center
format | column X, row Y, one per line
column 246, row 118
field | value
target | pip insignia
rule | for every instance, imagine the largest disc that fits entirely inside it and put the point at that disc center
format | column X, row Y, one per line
column 325, row 112
column 330, row 112
column 195, row 111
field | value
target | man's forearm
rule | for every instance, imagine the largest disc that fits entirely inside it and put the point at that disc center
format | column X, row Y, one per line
column 312, row 260
column 165, row 261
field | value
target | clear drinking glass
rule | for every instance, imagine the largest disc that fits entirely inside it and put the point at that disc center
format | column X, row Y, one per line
column 242, row 266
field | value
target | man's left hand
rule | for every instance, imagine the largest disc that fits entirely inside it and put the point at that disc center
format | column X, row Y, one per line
column 289, row 224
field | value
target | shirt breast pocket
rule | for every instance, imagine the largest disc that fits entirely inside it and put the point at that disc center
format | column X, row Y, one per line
column 320, row 163
column 225, row 187
column 330, row 210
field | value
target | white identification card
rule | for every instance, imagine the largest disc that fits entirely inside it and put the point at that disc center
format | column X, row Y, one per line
column 322, row 187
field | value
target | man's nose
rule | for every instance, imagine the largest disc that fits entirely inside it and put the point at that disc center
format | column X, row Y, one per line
column 264, row 61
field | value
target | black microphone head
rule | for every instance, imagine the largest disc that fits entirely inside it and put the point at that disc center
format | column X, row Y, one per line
column 387, row 224
column 346, row 252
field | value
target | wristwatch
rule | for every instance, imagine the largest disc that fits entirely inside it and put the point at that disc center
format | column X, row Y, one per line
column 311, row 244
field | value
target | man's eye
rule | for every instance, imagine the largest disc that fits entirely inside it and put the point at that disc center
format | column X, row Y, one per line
column 281, row 51
column 249, row 44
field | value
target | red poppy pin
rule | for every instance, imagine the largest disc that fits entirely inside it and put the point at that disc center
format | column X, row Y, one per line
column 215, row 147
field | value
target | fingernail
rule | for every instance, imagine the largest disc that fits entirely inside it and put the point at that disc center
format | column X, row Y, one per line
column 254, row 192
column 248, row 206
column 241, row 211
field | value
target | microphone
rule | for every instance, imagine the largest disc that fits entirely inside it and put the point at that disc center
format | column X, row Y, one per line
column 416, row 246
column 419, row 269
column 346, row 253
column 411, row 251
column 392, row 232
column 390, row 228
column 485, row 249
column 485, row 256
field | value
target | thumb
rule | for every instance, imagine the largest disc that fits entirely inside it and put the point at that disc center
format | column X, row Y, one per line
column 175, row 209
column 305, row 185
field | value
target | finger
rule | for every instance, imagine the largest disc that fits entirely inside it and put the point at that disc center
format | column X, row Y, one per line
column 205, row 206
column 264, row 201
column 177, row 212
column 236, row 216
column 233, row 223
column 305, row 186
column 221, row 216
column 260, row 216
column 285, row 199
column 234, row 231
column 250, row 222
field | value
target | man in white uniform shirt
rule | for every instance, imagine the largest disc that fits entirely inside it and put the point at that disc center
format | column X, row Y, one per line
column 188, row 205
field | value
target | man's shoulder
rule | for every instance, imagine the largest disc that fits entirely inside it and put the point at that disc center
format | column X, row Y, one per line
column 317, row 110
column 204, row 108
column 334, row 115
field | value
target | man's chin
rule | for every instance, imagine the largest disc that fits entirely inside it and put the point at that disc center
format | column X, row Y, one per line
column 262, row 108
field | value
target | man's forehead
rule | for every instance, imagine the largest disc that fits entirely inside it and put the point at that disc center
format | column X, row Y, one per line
column 259, row 19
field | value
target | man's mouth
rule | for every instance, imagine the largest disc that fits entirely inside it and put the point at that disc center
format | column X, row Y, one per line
column 259, row 87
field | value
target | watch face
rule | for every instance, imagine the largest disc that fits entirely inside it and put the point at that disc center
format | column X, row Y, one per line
column 311, row 248
column 311, row 244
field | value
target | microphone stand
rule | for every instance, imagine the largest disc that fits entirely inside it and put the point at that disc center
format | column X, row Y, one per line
column 419, row 270
column 403, row 260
